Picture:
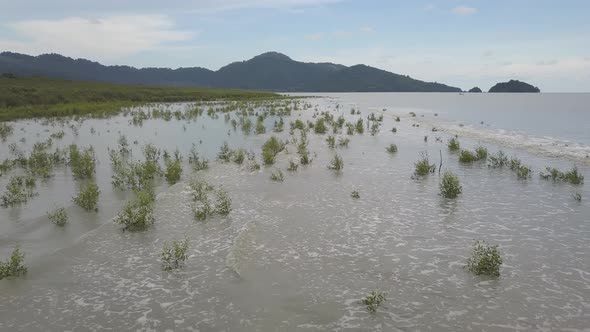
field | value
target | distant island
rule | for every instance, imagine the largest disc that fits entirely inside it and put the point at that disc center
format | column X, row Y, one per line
column 269, row 71
column 475, row 89
column 514, row 86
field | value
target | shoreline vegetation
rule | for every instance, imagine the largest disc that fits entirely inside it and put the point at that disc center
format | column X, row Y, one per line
column 35, row 97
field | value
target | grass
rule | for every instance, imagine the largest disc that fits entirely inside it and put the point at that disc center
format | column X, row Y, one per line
column 58, row 216
column 373, row 301
column 277, row 176
column 572, row 176
column 454, row 144
column 42, row 97
column 423, row 166
column 13, row 267
column 87, row 197
column 138, row 214
column 174, row 254
column 392, row 148
column 485, row 259
column 449, row 186
column 18, row 191
column 355, row 194
column 336, row 164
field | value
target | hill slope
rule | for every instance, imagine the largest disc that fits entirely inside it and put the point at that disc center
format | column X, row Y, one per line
column 269, row 71
column 514, row 86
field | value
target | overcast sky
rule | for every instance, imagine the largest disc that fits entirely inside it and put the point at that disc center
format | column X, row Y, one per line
column 461, row 43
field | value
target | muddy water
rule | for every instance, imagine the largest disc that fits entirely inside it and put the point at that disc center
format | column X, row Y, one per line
column 298, row 255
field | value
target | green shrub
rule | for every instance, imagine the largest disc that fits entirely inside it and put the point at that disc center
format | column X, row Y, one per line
column 58, row 216
column 18, row 190
column 373, row 301
column 277, row 176
column 138, row 214
column 454, row 144
column 423, row 167
column 392, row 148
column 87, row 197
column 336, row 163
column 14, row 266
column 450, row 186
column 174, row 255
column 485, row 259
column 355, row 194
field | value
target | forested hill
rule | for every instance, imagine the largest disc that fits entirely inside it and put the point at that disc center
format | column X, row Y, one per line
column 269, row 71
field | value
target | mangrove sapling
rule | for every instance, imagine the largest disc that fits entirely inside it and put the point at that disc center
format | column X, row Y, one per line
column 349, row 128
column 355, row 194
column 270, row 149
column 392, row 148
column 514, row 163
column 331, row 141
column 374, row 128
column 200, row 190
column 450, row 186
column 359, row 126
column 18, row 190
column 481, row 153
column 5, row 131
column 373, row 301
column 467, row 156
column 202, row 210
column 278, row 127
column 260, row 128
column 58, row 216
column 572, row 176
column 87, row 197
column 292, row 166
column 82, row 162
column 485, row 259
column 277, row 176
column 13, row 267
column 224, row 153
column 138, row 214
column 397, row 119
column 343, row 141
column 423, row 166
column 336, row 163
column 173, row 170
column 577, row 196
column 320, row 126
column 238, row 156
column 194, row 160
column 174, row 255
column 394, row 130
column 498, row 160
column 454, row 144
column 222, row 203
column 523, row 172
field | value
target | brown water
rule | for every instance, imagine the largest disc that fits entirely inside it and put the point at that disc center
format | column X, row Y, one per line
column 298, row 255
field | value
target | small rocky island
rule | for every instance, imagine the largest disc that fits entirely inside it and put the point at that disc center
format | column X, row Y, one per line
column 475, row 89
column 514, row 86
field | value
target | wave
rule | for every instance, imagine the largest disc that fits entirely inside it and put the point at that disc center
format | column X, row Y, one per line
column 236, row 258
column 542, row 145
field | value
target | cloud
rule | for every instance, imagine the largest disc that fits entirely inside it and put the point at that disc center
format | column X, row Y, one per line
column 96, row 38
column 367, row 29
column 315, row 36
column 464, row 10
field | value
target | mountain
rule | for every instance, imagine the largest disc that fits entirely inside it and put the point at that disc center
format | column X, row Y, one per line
column 269, row 71
column 475, row 89
column 514, row 86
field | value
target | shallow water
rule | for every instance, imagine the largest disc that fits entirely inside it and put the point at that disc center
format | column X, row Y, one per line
column 299, row 255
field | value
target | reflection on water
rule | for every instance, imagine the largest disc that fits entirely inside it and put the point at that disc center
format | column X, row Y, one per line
column 299, row 255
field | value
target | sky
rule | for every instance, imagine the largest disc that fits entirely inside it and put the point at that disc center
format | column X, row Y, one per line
column 460, row 43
